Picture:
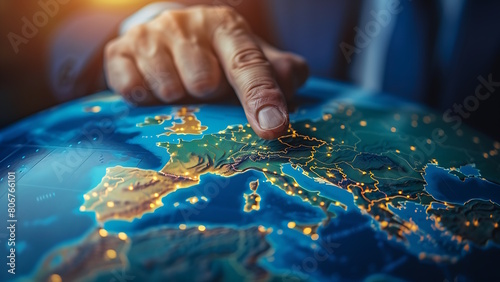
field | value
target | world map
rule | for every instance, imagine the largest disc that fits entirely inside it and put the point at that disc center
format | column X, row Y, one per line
column 361, row 187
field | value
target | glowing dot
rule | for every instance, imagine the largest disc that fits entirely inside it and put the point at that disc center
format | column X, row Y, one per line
column 315, row 237
column 393, row 129
column 182, row 226
column 332, row 139
column 86, row 197
column 467, row 223
column 342, row 126
column 156, row 195
column 307, row 125
column 384, row 224
column 496, row 225
column 131, row 187
column 155, row 178
column 427, row 119
column 414, row 123
column 291, row 224
column 313, row 129
column 322, row 203
column 82, row 208
column 264, row 169
column 55, row 278
column 94, row 194
column 110, row 204
column 362, row 123
column 103, row 232
column 151, row 205
column 122, row 236
column 262, row 229
column 413, row 148
column 307, row 230
column 111, row 254
column 202, row 228
column 398, row 151
column 497, row 145
column 106, row 184
column 485, row 155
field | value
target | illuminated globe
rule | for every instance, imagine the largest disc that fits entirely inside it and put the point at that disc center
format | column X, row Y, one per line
column 362, row 187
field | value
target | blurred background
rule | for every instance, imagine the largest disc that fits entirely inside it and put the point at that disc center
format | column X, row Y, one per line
column 433, row 52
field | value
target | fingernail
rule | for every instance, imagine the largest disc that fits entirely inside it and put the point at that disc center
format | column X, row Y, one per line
column 270, row 118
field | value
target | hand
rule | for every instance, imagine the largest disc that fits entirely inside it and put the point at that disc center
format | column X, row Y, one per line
column 202, row 52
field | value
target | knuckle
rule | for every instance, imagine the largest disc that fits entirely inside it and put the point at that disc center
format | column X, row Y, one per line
column 285, row 65
column 248, row 58
column 261, row 91
column 227, row 19
column 112, row 48
column 138, row 32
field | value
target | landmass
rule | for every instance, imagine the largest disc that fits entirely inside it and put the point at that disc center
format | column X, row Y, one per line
column 252, row 200
column 161, row 252
column 379, row 159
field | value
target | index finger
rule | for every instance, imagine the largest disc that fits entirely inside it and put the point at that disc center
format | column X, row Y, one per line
column 250, row 74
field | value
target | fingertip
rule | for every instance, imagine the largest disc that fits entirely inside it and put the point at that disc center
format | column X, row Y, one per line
column 270, row 123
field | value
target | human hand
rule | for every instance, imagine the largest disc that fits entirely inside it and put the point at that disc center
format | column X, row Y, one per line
column 203, row 52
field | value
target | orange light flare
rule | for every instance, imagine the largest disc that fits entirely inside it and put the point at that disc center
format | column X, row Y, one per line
column 116, row 3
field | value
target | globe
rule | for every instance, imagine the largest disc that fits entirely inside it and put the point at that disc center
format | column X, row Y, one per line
column 362, row 186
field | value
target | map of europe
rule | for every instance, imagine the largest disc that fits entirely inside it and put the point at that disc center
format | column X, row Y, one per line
column 361, row 187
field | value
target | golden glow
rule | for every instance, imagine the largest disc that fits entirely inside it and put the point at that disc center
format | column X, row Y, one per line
column 122, row 236
column 111, row 254
column 86, row 197
column 307, row 230
column 413, row 148
column 202, row 228
column 110, row 204
column 103, row 232
column 291, row 224
column 315, row 237
column 55, row 278
column 182, row 226
column 362, row 123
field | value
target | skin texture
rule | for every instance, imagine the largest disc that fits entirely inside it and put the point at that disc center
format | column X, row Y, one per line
column 203, row 53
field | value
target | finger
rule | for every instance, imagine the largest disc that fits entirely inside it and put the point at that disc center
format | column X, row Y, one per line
column 160, row 74
column 198, row 68
column 250, row 74
column 291, row 71
column 123, row 77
